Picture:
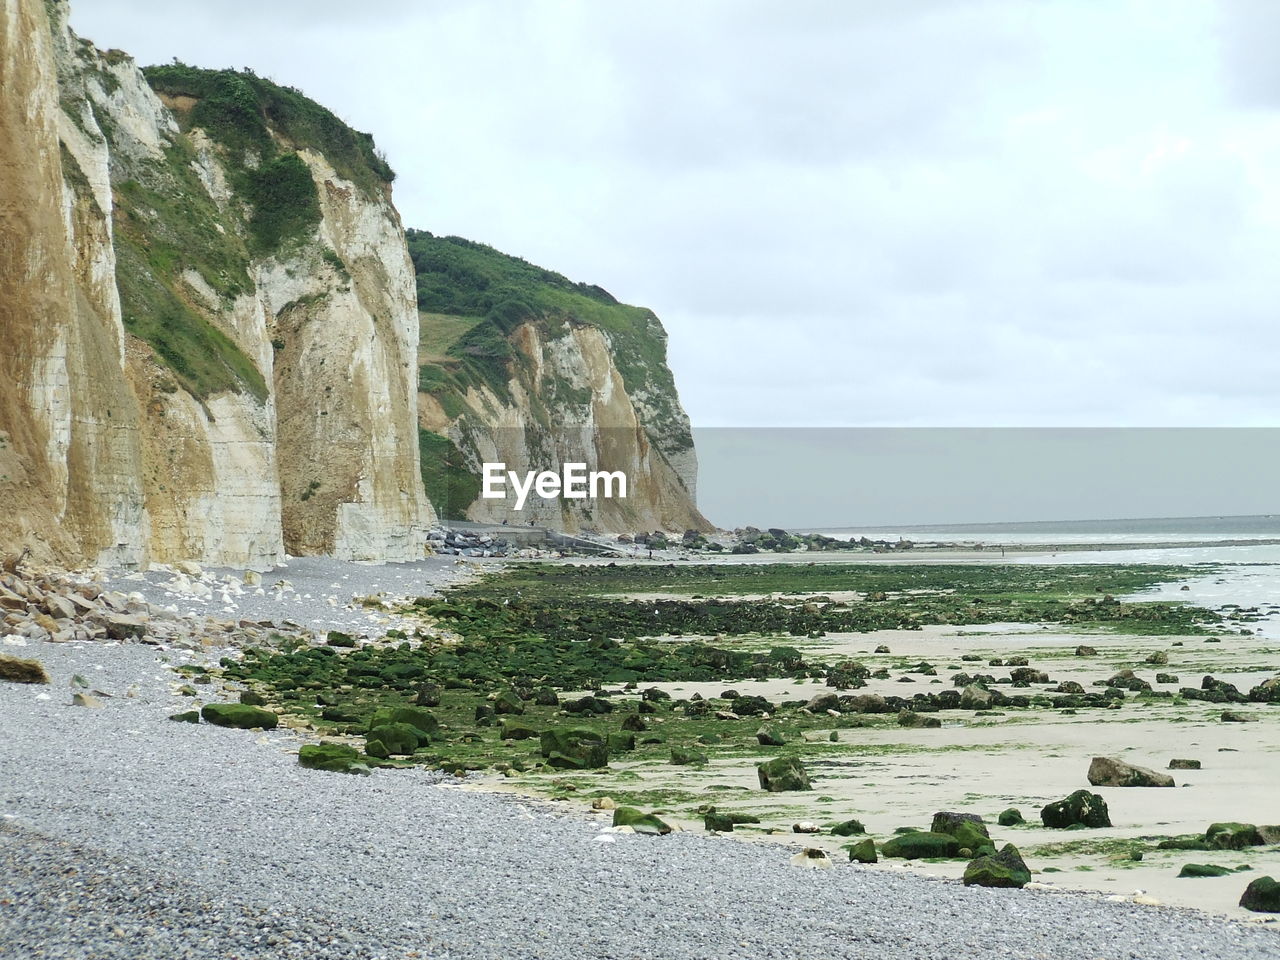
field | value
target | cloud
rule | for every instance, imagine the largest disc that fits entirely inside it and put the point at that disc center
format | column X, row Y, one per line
column 985, row 212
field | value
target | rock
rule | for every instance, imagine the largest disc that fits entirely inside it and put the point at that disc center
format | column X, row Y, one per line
column 336, row 638
column 1086, row 651
column 1266, row 692
column 1204, row 870
column 189, row 567
column 60, row 607
column 882, row 649
column 589, row 705
column 725, row 822
column 639, row 821
column 1262, row 896
column 920, row 845
column 393, row 740
column 239, row 715
column 822, row 702
column 1233, row 836
column 767, row 736
column 603, row 803
column 848, row 828
column 1158, row 659
column 516, row 731
column 908, row 718
column 187, row 716
column 1082, row 807
column 1177, row 764
column 812, row 858
column 20, row 670
column 421, row 720
column 1166, row 678
column 783, row 774
column 1110, row 772
column 508, row 703
column 685, row 757
column 1012, row 817
column 334, row 757
column 635, row 723
column 1004, row 869
column 546, row 697
column 1232, row 716
column 967, row 828
column 805, row 826
column 123, row 626
column 86, row 700
column 864, row 851
column 252, row 699
column 974, row 697
column 574, row 748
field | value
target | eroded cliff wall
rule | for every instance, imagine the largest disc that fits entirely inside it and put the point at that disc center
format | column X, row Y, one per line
column 208, row 315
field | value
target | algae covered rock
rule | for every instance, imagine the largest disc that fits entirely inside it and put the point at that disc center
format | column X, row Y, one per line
column 421, row 720
column 334, row 757
column 574, row 748
column 1110, row 772
column 517, row 731
column 725, row 822
column 1012, row 817
column 187, row 716
column 21, row 670
column 921, row 844
column 768, row 736
column 1003, row 869
column 1262, row 896
column 864, row 851
column 685, row 756
column 969, row 831
column 508, row 703
column 848, row 828
column 783, row 774
column 1082, row 807
column 393, row 740
column 1204, row 870
column 1233, row 836
column 639, row 821
column 239, row 715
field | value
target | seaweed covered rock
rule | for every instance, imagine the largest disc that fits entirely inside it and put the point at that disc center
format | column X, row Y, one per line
column 725, row 822
column 921, row 844
column 421, row 720
column 239, row 715
column 1233, row 836
column 21, row 670
column 909, row 718
column 334, row 757
column 639, row 821
column 1204, row 870
column 768, row 736
column 968, row 830
column 1011, row 817
column 187, row 716
column 1262, row 896
column 508, row 703
column 393, row 740
column 574, row 748
column 848, row 828
column 1082, row 807
column 1110, row 772
column 783, row 774
column 864, row 851
column 1003, row 869
column 687, row 756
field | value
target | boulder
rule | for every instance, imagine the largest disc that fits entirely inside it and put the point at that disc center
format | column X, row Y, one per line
column 635, row 723
column 812, row 858
column 864, row 851
column 421, row 720
column 725, row 822
column 20, row 670
column 1262, row 896
column 1082, row 807
column 508, row 703
column 783, row 774
column 1012, row 817
column 639, row 821
column 516, row 731
column 974, row 697
column 1177, row 764
column 767, row 736
column 921, row 844
column 1003, row 869
column 1086, row 651
column 848, row 828
column 187, row 716
column 122, row 626
column 1110, row 772
column 909, row 718
column 239, row 715
column 572, row 748
column 967, row 828
column 87, row 700
column 393, row 740
column 334, row 757
column 1233, row 836
column 686, row 757
column 1204, row 870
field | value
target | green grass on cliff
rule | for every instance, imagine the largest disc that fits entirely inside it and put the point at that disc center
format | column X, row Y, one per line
column 451, row 486
column 239, row 109
column 490, row 293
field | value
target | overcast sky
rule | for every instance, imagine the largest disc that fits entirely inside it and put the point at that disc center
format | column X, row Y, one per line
column 918, row 212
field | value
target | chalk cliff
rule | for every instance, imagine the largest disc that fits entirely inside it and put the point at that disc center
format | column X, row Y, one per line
column 522, row 366
column 208, row 313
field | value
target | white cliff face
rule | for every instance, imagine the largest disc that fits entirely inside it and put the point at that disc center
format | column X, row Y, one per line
column 110, row 457
column 599, row 425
